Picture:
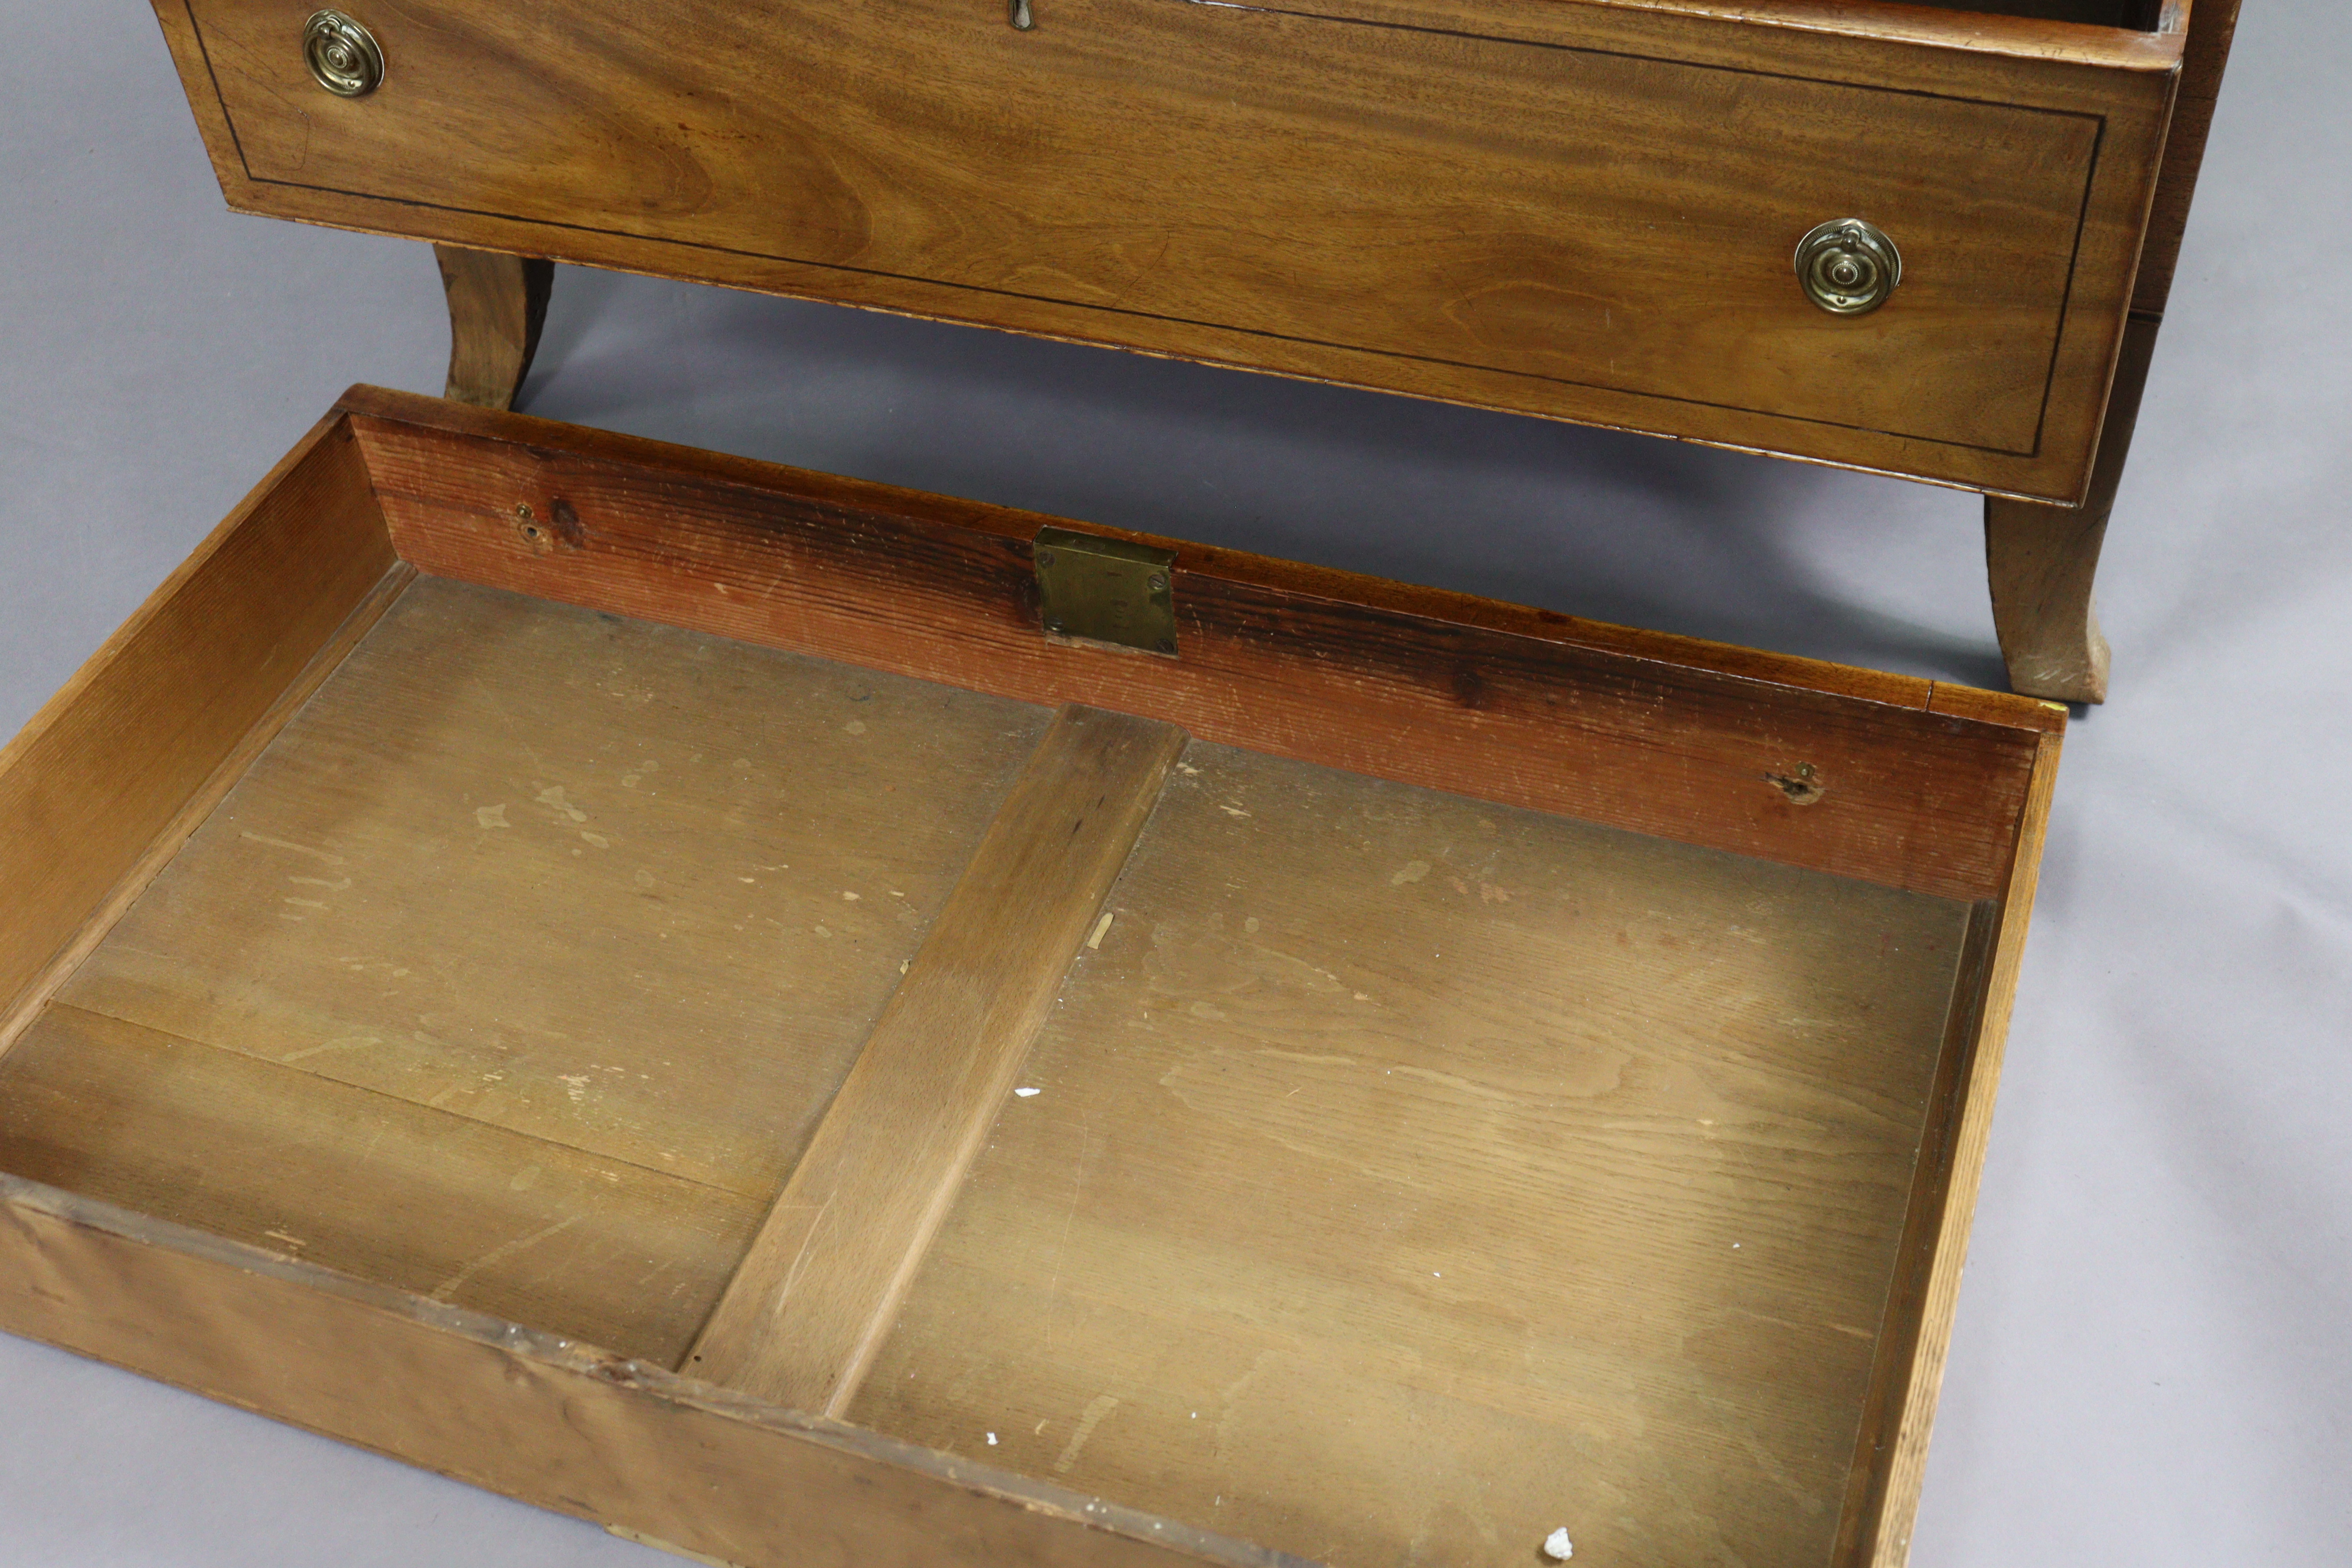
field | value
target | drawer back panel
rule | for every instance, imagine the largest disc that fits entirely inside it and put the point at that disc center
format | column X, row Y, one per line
column 1585, row 231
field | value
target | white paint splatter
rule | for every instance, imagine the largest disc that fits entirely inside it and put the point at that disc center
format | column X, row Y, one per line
column 1028, row 1093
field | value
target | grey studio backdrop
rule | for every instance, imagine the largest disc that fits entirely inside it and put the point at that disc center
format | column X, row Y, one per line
column 2153, row 1361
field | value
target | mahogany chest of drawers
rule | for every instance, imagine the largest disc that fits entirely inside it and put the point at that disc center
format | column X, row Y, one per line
column 1621, row 212
column 803, row 1021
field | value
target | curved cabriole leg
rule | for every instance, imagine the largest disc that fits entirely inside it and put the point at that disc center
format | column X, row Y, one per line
column 2042, row 558
column 497, row 305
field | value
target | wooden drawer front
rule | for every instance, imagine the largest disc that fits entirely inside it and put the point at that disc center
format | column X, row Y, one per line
column 1569, row 231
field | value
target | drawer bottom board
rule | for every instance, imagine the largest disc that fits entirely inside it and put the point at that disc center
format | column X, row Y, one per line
column 1396, row 1176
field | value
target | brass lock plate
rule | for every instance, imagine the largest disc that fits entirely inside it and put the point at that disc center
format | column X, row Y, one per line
column 1106, row 591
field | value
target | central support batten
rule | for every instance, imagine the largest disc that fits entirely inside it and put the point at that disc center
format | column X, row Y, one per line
column 800, row 1322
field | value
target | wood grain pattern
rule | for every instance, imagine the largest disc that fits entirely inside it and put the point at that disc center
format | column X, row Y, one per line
column 1684, row 1140
column 635, row 891
column 801, row 1320
column 407, row 1197
column 497, row 306
column 1520, row 707
column 2042, row 561
column 108, row 764
column 2212, row 24
column 392, row 424
column 199, row 806
column 1938, row 45
column 1889, row 1543
column 535, row 1416
column 1410, row 1177
column 1546, row 223
column 1905, row 1325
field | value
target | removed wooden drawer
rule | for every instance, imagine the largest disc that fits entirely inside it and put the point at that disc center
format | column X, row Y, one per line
column 655, row 983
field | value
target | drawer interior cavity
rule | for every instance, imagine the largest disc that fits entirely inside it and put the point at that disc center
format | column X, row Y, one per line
column 1392, row 1176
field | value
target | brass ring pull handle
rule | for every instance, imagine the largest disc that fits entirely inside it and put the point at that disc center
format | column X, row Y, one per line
column 343, row 55
column 1848, row 267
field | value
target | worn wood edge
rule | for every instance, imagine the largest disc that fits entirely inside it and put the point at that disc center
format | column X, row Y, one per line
column 123, row 638
column 1888, row 1541
column 364, row 402
column 2211, row 27
column 203, row 97
column 129, row 1329
column 2041, row 561
column 2103, row 358
column 2003, row 708
column 153, row 781
column 1901, row 1323
column 669, row 1548
column 35, row 996
column 497, row 308
column 809, row 1308
column 1927, row 26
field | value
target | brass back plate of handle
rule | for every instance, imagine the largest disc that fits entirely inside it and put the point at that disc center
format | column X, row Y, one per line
column 1848, row 267
column 343, row 55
